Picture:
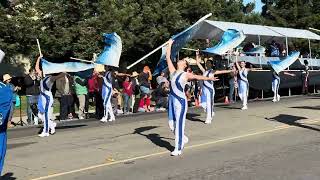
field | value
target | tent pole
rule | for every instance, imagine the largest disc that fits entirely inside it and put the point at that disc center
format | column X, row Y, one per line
column 287, row 50
column 259, row 40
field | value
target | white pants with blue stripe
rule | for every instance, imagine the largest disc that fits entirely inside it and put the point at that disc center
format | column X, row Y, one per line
column 177, row 117
column 46, row 114
column 208, row 102
column 275, row 87
column 243, row 91
column 107, row 103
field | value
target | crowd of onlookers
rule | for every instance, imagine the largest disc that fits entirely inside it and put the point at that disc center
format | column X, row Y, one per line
column 131, row 93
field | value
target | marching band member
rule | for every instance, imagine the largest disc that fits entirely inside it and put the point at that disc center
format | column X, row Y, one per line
column 178, row 100
column 45, row 101
column 208, row 90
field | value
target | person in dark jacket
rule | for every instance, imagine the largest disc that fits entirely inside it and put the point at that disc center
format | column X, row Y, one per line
column 65, row 91
column 32, row 84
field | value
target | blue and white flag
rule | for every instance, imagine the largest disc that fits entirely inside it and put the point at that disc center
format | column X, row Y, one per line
column 281, row 65
column 2, row 54
column 51, row 68
column 230, row 39
column 112, row 50
column 180, row 40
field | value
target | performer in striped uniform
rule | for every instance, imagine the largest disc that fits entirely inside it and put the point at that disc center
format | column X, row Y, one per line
column 208, row 91
column 45, row 101
column 243, row 82
column 178, row 101
column 106, row 95
column 276, row 84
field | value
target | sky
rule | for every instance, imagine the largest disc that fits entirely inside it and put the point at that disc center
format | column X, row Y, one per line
column 258, row 7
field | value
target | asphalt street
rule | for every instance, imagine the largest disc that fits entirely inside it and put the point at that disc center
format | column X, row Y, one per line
column 268, row 141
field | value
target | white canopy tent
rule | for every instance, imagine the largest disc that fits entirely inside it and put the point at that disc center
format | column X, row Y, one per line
column 255, row 33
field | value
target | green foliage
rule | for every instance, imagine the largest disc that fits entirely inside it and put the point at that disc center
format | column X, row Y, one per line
column 78, row 25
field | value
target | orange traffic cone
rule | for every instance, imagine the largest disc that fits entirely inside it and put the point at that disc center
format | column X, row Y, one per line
column 226, row 100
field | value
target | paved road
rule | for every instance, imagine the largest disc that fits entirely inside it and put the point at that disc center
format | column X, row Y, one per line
column 269, row 141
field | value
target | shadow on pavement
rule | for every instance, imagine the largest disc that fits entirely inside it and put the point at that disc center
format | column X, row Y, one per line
column 17, row 145
column 154, row 138
column 292, row 121
column 307, row 107
column 8, row 176
column 71, row 126
column 191, row 117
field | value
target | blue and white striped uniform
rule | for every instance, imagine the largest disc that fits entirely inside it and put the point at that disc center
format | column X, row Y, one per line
column 106, row 95
column 207, row 97
column 275, row 84
column 45, row 103
column 243, row 86
column 178, row 106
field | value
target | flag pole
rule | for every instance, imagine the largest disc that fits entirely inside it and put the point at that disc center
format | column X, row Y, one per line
column 144, row 57
column 82, row 60
column 314, row 29
column 39, row 48
column 189, row 49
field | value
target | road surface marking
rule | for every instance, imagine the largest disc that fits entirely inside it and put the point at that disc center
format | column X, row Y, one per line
column 166, row 152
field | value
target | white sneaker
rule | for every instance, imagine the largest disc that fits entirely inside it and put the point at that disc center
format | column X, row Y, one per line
column 111, row 119
column 176, row 153
column 185, row 139
column 171, row 125
column 244, row 108
column 81, row 117
column 53, row 128
column 274, row 100
column 43, row 134
column 36, row 121
column 208, row 121
column 278, row 97
column 104, row 119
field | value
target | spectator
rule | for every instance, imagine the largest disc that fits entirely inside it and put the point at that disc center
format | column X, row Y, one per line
column 127, row 94
column 65, row 92
column 161, row 96
column 232, row 82
column 95, row 88
column 81, row 90
column 144, row 80
column 135, row 88
column 161, row 78
column 145, row 103
column 117, row 98
column 305, row 77
column 32, row 84
column 274, row 48
column 7, row 81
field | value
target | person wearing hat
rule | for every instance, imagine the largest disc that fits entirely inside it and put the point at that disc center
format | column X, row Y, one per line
column 7, row 81
column 178, row 101
column 208, row 91
column 135, row 88
column 6, row 98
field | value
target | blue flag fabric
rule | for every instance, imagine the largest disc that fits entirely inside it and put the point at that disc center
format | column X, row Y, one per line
column 230, row 39
column 180, row 40
column 51, row 68
column 112, row 50
column 281, row 65
column 6, row 99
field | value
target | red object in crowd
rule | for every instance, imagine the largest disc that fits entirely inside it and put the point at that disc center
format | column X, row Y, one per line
column 144, row 102
column 127, row 88
column 93, row 84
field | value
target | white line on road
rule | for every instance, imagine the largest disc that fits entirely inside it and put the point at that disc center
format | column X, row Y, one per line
column 166, row 152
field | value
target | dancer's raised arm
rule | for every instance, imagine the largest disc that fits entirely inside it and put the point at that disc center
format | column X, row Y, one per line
column 191, row 76
column 37, row 67
column 171, row 67
column 198, row 58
